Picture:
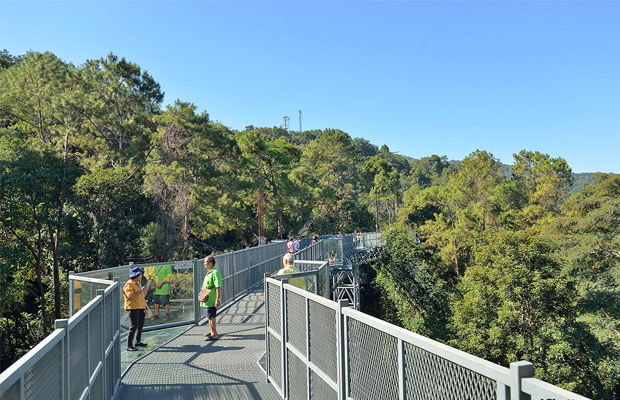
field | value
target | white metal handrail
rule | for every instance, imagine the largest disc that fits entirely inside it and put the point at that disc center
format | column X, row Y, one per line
column 52, row 369
column 389, row 343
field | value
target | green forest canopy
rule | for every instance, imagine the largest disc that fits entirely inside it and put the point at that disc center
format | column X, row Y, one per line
column 505, row 262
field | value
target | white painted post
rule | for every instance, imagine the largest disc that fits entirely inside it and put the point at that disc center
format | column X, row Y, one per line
column 101, row 292
column 64, row 325
column 518, row 371
column 341, row 348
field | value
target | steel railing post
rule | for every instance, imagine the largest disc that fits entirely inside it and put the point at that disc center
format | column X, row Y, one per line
column 116, row 337
column 64, row 325
column 267, row 341
column 197, row 286
column 317, row 280
column 283, row 363
column 307, row 327
column 101, row 292
column 71, row 294
column 401, row 370
column 518, row 371
column 328, row 290
column 232, row 269
column 341, row 349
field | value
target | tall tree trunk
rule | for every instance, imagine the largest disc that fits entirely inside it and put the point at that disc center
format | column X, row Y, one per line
column 54, row 242
column 376, row 215
column 388, row 209
column 279, row 223
column 395, row 207
column 456, row 258
column 185, row 236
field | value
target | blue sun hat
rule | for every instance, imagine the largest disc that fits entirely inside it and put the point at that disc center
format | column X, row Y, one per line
column 135, row 271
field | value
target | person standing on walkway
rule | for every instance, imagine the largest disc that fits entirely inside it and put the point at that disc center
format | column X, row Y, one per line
column 288, row 267
column 213, row 282
column 290, row 245
column 135, row 303
column 297, row 243
column 163, row 274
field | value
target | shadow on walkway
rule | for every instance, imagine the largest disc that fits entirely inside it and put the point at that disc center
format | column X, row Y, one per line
column 189, row 368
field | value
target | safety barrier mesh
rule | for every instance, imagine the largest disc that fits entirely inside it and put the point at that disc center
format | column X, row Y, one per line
column 256, row 274
column 297, row 381
column 95, row 337
column 227, row 289
column 275, row 360
column 428, row 376
column 96, row 390
column 320, row 389
column 273, row 314
column 78, row 358
column 296, row 321
column 373, row 362
column 109, row 372
column 241, row 281
column 116, row 307
column 323, row 339
column 12, row 393
column 117, row 362
column 44, row 379
column 108, row 323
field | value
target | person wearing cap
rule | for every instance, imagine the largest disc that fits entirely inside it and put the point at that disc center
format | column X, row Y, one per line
column 135, row 303
column 213, row 282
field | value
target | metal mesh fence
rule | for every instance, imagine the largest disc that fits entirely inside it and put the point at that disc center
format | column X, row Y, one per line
column 96, row 390
column 13, row 392
column 273, row 313
column 323, row 339
column 110, row 371
column 296, row 319
column 275, row 360
column 117, row 360
column 323, row 289
column 76, row 347
column 116, row 310
column 256, row 274
column 95, row 337
column 109, row 320
column 297, row 378
column 241, row 281
column 373, row 362
column 428, row 376
column 44, row 380
column 78, row 358
column 320, row 389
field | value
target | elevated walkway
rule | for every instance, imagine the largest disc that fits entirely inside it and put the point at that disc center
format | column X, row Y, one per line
column 187, row 367
column 310, row 346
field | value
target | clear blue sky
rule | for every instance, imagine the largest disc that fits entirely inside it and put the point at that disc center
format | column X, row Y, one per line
column 423, row 77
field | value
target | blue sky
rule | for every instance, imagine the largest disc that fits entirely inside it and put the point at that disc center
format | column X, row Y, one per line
column 423, row 77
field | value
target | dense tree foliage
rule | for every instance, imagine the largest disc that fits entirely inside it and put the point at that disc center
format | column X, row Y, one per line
column 500, row 261
column 508, row 267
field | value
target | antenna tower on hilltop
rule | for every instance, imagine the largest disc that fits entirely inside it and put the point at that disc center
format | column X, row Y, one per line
column 285, row 119
column 299, row 121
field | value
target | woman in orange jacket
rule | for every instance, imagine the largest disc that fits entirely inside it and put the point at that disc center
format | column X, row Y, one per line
column 135, row 303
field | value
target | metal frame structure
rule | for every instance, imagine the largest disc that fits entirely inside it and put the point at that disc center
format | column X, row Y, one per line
column 319, row 349
column 79, row 360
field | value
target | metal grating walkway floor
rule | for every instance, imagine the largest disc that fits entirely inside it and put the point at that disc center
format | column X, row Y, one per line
column 189, row 368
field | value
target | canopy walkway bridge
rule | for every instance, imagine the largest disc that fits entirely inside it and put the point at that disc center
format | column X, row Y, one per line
column 276, row 340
